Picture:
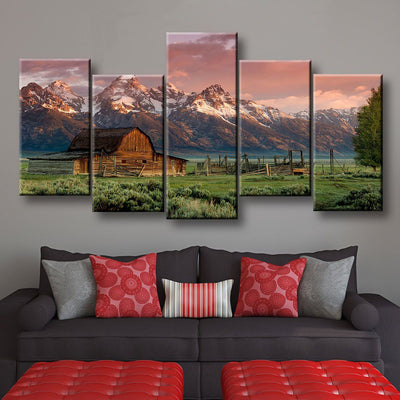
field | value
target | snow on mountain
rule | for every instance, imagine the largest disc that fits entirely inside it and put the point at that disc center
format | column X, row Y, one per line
column 34, row 97
column 50, row 117
column 126, row 95
column 264, row 115
column 304, row 114
column 65, row 93
column 345, row 117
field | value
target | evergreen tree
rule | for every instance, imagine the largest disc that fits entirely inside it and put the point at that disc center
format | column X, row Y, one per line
column 368, row 140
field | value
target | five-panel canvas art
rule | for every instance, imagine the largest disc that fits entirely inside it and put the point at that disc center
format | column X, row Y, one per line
column 137, row 142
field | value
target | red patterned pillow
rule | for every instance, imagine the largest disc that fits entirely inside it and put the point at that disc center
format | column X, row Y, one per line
column 126, row 289
column 267, row 289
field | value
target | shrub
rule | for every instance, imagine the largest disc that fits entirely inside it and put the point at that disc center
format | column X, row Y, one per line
column 194, row 202
column 366, row 199
column 294, row 190
column 127, row 196
column 61, row 186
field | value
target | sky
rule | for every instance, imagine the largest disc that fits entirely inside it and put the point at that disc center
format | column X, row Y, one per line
column 100, row 82
column 281, row 84
column 75, row 73
column 343, row 91
column 196, row 61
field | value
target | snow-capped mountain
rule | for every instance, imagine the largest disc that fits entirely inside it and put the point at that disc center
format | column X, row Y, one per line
column 65, row 93
column 206, row 122
column 335, row 129
column 126, row 103
column 126, row 95
column 56, row 96
column 332, row 115
column 338, row 116
column 50, row 117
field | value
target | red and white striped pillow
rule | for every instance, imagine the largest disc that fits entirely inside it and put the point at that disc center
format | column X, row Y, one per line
column 197, row 300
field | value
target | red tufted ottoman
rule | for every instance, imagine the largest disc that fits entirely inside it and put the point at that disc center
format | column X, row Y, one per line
column 305, row 380
column 100, row 380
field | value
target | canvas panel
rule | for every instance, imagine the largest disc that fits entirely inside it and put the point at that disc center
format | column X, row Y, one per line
column 274, row 124
column 54, row 109
column 347, row 140
column 202, row 128
column 127, row 150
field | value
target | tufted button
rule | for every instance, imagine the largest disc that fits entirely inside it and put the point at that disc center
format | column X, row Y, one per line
column 100, row 380
column 305, row 380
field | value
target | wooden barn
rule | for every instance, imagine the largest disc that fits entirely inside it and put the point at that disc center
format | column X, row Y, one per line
column 116, row 152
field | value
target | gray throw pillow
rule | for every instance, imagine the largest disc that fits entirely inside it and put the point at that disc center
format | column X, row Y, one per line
column 73, row 286
column 322, row 288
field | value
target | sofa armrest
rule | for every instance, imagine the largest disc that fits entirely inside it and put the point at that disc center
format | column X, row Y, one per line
column 388, row 330
column 36, row 314
column 9, row 309
column 363, row 315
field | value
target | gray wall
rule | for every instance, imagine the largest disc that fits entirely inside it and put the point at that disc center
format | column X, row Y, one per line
column 125, row 36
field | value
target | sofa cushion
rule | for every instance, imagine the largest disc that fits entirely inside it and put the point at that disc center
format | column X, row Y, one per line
column 322, row 289
column 73, row 286
column 178, row 265
column 274, row 338
column 219, row 265
column 197, row 300
column 126, row 289
column 267, row 289
column 124, row 339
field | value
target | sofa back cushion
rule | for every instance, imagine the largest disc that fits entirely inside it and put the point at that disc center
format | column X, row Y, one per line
column 178, row 265
column 218, row 265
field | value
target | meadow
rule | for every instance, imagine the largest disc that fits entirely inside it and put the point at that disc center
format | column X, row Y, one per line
column 276, row 185
column 351, row 187
column 48, row 185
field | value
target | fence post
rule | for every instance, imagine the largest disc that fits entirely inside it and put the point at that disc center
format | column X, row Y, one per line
column 172, row 167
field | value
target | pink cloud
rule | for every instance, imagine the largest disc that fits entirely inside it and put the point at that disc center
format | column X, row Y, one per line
column 281, row 84
column 74, row 72
column 198, row 60
column 343, row 91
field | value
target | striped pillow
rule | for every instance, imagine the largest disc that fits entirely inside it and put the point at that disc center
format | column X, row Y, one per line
column 197, row 300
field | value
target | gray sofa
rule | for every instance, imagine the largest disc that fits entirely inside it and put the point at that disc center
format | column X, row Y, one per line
column 31, row 332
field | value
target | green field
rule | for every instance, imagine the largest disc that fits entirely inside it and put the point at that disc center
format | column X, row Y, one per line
column 277, row 185
column 47, row 185
column 128, row 194
column 350, row 188
column 195, row 197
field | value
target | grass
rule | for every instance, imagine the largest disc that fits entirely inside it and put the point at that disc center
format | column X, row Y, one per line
column 353, row 188
column 128, row 194
column 277, row 185
column 202, row 197
column 48, row 185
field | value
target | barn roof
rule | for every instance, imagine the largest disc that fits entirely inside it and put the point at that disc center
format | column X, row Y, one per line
column 104, row 139
column 62, row 156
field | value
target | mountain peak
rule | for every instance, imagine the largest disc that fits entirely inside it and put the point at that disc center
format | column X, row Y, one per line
column 126, row 77
column 215, row 88
column 64, row 92
column 58, row 84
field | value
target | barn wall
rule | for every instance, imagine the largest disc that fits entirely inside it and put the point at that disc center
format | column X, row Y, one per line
column 51, row 167
column 135, row 141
